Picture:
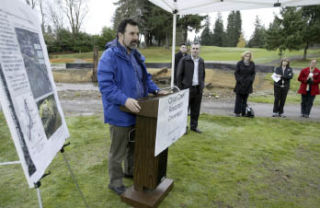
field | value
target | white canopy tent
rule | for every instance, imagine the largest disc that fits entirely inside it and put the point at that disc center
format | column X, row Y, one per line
column 184, row 7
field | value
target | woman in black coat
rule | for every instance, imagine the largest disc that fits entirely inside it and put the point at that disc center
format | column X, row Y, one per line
column 244, row 74
column 281, row 87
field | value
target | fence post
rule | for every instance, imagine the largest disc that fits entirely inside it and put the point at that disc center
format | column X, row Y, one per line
column 95, row 63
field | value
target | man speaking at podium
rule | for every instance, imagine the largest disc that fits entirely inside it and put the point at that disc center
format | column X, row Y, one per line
column 191, row 74
column 123, row 78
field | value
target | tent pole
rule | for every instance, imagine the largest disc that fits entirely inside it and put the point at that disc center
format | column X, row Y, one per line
column 173, row 47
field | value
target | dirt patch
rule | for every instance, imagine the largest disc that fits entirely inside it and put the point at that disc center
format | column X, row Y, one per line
column 72, row 75
column 85, row 98
column 220, row 78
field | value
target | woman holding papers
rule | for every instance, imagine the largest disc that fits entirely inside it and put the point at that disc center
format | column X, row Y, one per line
column 281, row 77
column 309, row 88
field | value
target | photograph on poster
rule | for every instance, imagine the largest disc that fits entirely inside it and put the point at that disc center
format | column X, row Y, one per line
column 32, row 54
column 49, row 114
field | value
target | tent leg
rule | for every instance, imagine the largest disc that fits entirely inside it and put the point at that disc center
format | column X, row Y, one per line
column 173, row 48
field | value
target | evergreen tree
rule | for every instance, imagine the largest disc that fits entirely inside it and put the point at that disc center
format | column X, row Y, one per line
column 238, row 24
column 233, row 28
column 107, row 34
column 258, row 37
column 154, row 23
column 206, row 35
column 196, row 39
column 218, row 36
column 287, row 31
column 311, row 35
column 188, row 23
column 274, row 36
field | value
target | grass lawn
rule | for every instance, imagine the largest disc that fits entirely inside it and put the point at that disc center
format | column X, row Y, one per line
column 209, row 53
column 236, row 162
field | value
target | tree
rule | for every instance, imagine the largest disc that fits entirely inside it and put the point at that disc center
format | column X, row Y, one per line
column 154, row 23
column 50, row 39
column 76, row 10
column 130, row 9
column 233, row 28
column 287, row 32
column 189, row 23
column 311, row 35
column 206, row 35
column 218, row 36
column 196, row 39
column 43, row 16
column 158, row 26
column 32, row 3
column 107, row 34
column 241, row 42
column 257, row 39
column 56, row 15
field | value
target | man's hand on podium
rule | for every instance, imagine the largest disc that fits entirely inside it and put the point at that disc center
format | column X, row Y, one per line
column 163, row 92
column 132, row 105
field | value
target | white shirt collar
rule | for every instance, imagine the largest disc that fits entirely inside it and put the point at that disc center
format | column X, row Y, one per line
column 194, row 59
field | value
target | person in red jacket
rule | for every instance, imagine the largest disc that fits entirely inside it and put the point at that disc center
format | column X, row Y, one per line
column 309, row 87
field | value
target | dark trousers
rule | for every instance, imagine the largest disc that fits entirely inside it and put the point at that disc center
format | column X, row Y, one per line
column 280, row 96
column 195, row 98
column 241, row 103
column 306, row 103
column 121, row 149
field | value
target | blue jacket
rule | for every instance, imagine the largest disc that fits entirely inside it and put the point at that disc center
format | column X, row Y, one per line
column 117, row 83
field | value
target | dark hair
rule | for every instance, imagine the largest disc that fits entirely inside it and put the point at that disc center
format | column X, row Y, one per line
column 285, row 59
column 181, row 44
column 123, row 24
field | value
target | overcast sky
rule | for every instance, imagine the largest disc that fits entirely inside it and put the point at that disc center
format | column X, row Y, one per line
column 101, row 13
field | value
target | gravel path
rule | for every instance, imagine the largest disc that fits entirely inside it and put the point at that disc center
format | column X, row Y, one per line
column 292, row 111
column 84, row 99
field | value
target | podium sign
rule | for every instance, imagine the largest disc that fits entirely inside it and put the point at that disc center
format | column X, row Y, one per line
column 160, row 122
column 172, row 119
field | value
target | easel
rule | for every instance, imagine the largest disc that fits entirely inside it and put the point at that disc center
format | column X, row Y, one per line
column 38, row 184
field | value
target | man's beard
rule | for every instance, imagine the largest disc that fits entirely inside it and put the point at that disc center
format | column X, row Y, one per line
column 132, row 45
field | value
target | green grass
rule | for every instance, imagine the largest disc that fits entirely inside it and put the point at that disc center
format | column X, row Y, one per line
column 209, row 53
column 236, row 162
column 303, row 64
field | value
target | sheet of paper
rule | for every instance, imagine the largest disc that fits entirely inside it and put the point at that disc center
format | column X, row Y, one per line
column 275, row 77
column 172, row 119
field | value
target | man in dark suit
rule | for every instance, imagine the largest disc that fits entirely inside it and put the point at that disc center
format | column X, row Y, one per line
column 183, row 52
column 191, row 74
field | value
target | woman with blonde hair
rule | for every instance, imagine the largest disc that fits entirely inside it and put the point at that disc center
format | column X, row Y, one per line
column 244, row 75
column 283, row 75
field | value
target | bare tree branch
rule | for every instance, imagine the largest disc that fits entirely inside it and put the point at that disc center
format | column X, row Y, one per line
column 32, row 3
column 41, row 6
column 56, row 15
column 76, row 10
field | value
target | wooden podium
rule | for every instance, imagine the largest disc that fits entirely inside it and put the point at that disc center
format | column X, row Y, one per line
column 150, row 185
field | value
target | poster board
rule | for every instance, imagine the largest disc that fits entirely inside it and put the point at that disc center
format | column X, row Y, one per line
column 28, row 93
column 172, row 119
